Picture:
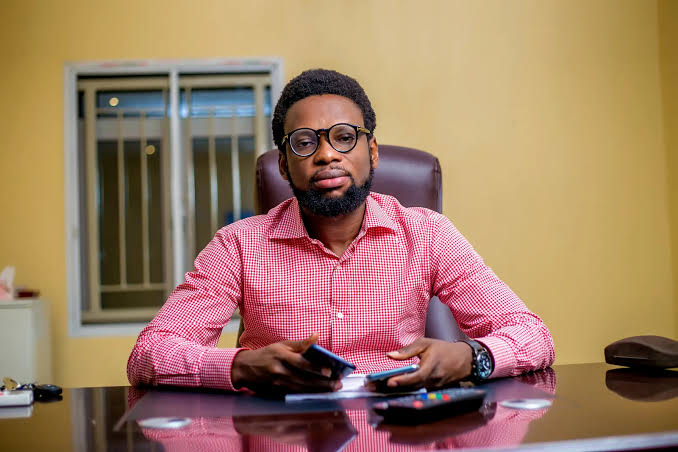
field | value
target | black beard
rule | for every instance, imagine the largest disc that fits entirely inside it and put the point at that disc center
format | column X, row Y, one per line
column 317, row 203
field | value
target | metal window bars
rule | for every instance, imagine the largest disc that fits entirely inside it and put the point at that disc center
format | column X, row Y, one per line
column 122, row 294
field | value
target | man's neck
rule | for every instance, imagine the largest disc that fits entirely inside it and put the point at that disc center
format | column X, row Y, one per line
column 336, row 233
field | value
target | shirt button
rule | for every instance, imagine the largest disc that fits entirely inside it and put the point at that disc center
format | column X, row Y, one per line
column 337, row 267
column 340, row 315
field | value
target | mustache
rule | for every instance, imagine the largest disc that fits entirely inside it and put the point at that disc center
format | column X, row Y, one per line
column 331, row 171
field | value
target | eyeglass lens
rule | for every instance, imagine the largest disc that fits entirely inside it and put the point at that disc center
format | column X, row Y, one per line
column 342, row 137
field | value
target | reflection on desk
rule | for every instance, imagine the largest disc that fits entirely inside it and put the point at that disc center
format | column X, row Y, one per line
column 246, row 422
column 596, row 407
column 649, row 385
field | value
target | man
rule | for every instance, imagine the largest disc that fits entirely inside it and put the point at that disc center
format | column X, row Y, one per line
column 339, row 266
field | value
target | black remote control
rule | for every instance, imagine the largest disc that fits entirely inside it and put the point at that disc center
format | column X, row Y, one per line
column 419, row 408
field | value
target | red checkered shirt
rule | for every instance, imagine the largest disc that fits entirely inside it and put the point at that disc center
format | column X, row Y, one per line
column 371, row 300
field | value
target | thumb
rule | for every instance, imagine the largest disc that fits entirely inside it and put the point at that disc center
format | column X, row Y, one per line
column 303, row 345
column 414, row 349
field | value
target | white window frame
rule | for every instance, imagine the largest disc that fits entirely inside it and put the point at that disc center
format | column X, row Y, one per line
column 73, row 70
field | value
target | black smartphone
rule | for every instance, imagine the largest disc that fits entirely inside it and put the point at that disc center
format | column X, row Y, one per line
column 379, row 377
column 323, row 358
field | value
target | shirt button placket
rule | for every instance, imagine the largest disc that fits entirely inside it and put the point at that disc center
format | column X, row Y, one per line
column 336, row 315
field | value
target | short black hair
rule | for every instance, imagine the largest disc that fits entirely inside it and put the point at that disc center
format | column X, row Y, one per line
column 315, row 82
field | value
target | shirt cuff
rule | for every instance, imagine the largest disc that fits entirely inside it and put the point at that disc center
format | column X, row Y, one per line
column 504, row 359
column 216, row 368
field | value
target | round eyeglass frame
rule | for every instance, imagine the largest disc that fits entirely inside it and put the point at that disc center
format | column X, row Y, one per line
column 317, row 132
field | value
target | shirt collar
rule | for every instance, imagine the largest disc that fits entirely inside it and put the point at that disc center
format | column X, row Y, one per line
column 376, row 217
column 291, row 225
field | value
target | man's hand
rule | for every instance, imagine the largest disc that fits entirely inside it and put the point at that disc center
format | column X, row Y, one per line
column 441, row 363
column 279, row 369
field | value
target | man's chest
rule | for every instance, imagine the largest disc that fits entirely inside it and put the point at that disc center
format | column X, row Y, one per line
column 294, row 289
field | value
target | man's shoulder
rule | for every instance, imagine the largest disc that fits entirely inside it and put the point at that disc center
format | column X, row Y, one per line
column 404, row 215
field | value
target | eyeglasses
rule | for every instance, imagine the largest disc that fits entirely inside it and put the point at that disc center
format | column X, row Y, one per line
column 342, row 137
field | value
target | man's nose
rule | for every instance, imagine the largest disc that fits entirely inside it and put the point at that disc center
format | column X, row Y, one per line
column 325, row 152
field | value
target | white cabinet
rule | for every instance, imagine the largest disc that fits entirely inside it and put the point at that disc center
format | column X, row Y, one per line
column 25, row 352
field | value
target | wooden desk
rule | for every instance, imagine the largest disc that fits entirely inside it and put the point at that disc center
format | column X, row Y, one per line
column 595, row 408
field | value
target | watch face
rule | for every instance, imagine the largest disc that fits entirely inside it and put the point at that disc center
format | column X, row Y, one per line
column 484, row 365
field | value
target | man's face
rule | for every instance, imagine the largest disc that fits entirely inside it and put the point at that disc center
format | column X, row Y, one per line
column 328, row 182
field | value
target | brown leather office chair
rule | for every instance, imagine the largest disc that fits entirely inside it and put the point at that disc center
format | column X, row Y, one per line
column 412, row 176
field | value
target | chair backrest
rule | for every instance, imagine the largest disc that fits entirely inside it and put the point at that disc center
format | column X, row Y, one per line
column 410, row 175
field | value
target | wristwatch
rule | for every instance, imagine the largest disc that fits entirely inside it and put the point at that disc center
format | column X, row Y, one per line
column 482, row 364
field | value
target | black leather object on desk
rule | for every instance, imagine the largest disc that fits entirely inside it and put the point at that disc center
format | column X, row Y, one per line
column 651, row 352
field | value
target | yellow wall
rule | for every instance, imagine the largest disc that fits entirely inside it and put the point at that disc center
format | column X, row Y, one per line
column 668, row 39
column 546, row 116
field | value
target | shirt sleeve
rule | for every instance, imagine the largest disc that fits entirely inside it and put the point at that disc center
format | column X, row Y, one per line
column 486, row 309
column 178, row 347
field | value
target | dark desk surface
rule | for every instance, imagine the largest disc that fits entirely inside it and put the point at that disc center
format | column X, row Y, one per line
column 595, row 407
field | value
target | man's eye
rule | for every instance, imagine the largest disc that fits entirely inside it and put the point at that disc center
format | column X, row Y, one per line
column 304, row 144
column 346, row 138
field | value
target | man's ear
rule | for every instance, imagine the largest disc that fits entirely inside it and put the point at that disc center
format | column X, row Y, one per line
column 374, row 152
column 282, row 165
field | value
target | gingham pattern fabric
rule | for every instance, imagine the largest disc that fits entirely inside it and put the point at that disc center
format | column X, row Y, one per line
column 506, row 429
column 369, row 301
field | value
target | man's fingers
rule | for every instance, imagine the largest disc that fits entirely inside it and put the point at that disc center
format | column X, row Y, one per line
column 301, row 381
column 280, row 368
column 294, row 379
column 414, row 379
column 296, row 362
column 441, row 363
column 303, row 345
column 415, row 348
column 312, row 339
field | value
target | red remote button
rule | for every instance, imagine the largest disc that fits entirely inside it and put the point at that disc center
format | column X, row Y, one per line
column 417, row 404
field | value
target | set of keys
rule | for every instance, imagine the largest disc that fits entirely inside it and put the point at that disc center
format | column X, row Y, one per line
column 40, row 392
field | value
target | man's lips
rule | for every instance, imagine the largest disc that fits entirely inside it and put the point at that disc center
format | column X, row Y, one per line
column 331, row 178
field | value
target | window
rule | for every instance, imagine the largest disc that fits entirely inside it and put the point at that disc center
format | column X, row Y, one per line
column 158, row 157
